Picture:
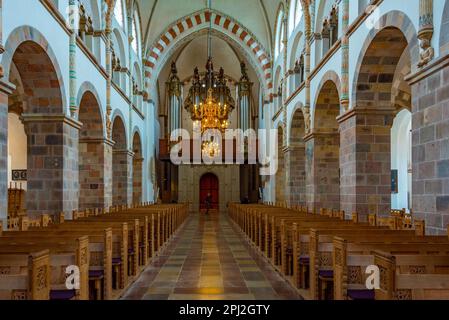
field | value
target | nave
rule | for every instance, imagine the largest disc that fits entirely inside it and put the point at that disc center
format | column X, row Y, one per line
column 209, row 259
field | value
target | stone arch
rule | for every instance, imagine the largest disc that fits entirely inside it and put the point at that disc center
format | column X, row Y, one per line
column 24, row 34
column 178, row 31
column 118, row 114
column 295, row 159
column 89, row 87
column 122, row 160
column 93, row 150
column 392, row 27
column 323, row 148
column 328, row 78
column 51, row 137
column 137, row 168
column 280, row 178
column 294, row 50
column 444, row 33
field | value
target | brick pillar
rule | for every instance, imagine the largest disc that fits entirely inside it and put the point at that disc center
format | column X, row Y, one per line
column 137, row 180
column 5, row 91
column 430, row 147
column 94, row 165
column 122, row 168
column 322, row 170
column 295, row 175
column 365, row 162
column 52, row 163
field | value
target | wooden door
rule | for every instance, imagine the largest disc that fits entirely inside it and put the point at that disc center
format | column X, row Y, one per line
column 209, row 185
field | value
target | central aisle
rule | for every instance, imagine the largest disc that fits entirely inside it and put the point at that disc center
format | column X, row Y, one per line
column 209, row 260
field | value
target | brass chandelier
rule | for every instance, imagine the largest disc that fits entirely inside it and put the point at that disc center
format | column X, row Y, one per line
column 210, row 102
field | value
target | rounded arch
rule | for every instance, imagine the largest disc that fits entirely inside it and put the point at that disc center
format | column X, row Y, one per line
column 327, row 108
column 325, row 7
column 280, row 178
column 294, row 50
column 444, row 32
column 117, row 39
column 137, row 143
column 329, row 84
column 137, row 74
column 296, row 159
column 90, row 116
column 279, row 33
column 24, row 34
column 393, row 19
column 297, row 110
column 119, row 135
column 89, row 87
column 93, row 10
column 277, row 78
column 191, row 24
column 137, row 165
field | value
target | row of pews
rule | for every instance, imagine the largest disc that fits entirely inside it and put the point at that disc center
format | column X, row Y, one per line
column 107, row 249
column 327, row 257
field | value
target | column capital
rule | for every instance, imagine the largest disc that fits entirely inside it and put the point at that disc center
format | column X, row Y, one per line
column 97, row 140
column 43, row 117
column 316, row 134
column 365, row 111
column 124, row 151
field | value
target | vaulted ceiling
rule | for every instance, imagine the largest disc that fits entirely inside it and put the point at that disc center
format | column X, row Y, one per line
column 256, row 15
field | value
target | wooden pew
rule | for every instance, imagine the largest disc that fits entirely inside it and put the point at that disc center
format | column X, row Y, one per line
column 322, row 244
column 351, row 258
column 99, row 250
column 25, row 275
column 110, row 235
column 412, row 277
column 62, row 254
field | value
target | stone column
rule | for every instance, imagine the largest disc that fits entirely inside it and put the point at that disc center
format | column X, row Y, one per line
column 344, row 99
column 95, row 173
column 73, row 21
column 430, row 146
column 295, row 175
column 137, row 180
column 365, row 162
column 108, row 31
column 53, row 185
column 322, row 171
column 425, row 33
column 5, row 90
column 122, row 164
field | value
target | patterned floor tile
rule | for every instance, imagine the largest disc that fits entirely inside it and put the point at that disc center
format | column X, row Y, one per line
column 209, row 259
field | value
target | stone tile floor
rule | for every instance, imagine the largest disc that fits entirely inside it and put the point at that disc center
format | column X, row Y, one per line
column 209, row 259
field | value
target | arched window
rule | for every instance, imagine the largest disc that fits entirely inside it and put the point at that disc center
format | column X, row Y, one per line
column 136, row 33
column 295, row 15
column 280, row 33
column 118, row 12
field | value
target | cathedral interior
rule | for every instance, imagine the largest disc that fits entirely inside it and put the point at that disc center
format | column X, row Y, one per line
column 224, row 150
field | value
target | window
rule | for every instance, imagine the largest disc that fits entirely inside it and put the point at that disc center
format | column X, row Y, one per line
column 295, row 15
column 118, row 12
column 280, row 33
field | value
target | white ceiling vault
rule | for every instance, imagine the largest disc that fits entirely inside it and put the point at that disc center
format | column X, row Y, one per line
column 258, row 16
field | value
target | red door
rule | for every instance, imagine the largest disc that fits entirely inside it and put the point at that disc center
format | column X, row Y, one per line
column 209, row 185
